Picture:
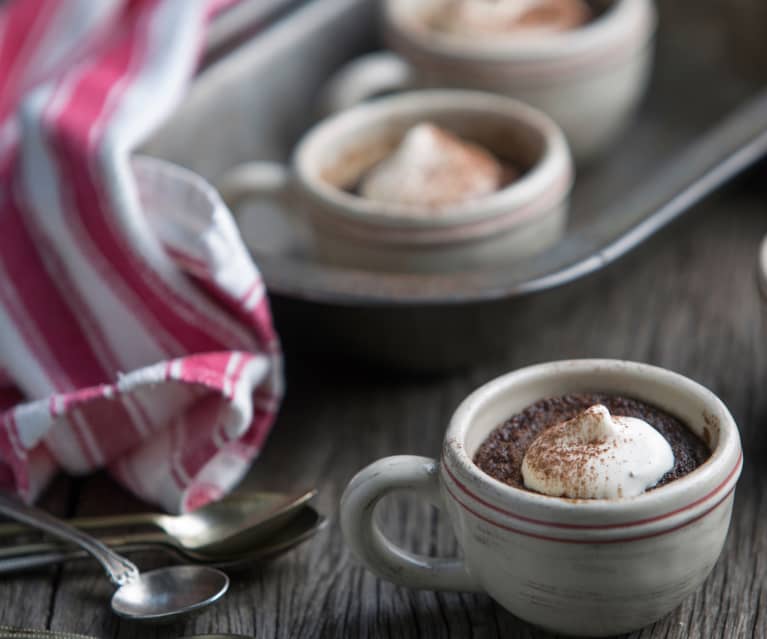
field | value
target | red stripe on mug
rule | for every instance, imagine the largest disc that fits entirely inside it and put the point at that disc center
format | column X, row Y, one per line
column 630, row 524
column 565, row 540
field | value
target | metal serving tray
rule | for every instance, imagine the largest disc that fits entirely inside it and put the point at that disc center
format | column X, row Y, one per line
column 701, row 124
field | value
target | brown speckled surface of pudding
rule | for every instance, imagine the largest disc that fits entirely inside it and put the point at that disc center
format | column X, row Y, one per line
column 501, row 454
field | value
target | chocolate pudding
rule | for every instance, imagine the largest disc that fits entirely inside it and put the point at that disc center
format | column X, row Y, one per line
column 502, row 453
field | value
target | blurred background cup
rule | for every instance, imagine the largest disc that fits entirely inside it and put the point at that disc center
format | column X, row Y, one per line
column 590, row 79
column 521, row 219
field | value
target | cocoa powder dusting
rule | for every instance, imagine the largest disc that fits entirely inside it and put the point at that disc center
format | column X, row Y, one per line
column 501, row 454
column 462, row 171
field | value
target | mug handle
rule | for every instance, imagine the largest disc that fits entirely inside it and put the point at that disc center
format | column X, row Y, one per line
column 254, row 179
column 365, row 77
column 367, row 542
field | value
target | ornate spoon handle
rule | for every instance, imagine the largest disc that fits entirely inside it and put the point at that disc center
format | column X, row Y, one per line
column 119, row 569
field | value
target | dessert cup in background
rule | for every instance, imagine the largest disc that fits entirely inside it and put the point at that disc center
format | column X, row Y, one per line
column 592, row 567
column 589, row 79
column 514, row 222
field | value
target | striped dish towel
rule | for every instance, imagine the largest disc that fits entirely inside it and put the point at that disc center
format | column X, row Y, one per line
column 135, row 334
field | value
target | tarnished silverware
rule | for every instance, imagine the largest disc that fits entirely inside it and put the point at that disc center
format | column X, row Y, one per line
column 215, row 527
column 305, row 524
column 158, row 595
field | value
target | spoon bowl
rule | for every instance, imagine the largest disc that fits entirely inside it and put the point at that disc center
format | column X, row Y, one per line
column 307, row 523
column 164, row 594
column 221, row 524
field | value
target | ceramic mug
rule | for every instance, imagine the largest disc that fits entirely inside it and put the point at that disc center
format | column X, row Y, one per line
column 586, row 567
column 589, row 79
column 519, row 220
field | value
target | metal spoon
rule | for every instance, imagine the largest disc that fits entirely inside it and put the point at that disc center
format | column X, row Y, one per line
column 304, row 525
column 158, row 595
column 219, row 524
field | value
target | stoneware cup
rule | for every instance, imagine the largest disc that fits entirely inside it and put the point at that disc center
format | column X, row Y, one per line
column 521, row 219
column 589, row 79
column 588, row 567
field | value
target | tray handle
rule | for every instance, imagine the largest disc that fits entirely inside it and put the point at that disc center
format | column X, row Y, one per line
column 265, row 180
column 365, row 77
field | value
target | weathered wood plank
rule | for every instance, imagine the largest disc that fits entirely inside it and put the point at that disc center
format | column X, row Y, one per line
column 687, row 301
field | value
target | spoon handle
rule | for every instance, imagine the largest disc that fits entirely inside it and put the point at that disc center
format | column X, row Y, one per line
column 48, row 556
column 119, row 569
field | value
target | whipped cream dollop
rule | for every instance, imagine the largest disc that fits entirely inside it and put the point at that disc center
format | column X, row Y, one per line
column 596, row 455
column 519, row 17
column 431, row 168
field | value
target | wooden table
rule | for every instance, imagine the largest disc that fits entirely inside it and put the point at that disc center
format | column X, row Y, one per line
column 688, row 301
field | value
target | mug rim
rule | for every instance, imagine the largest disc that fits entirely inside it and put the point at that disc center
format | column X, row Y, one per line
column 627, row 24
column 673, row 503
column 550, row 177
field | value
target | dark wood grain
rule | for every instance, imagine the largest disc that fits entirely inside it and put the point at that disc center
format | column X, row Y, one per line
column 747, row 41
column 687, row 301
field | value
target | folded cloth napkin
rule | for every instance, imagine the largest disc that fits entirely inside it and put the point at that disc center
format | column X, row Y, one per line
column 134, row 329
